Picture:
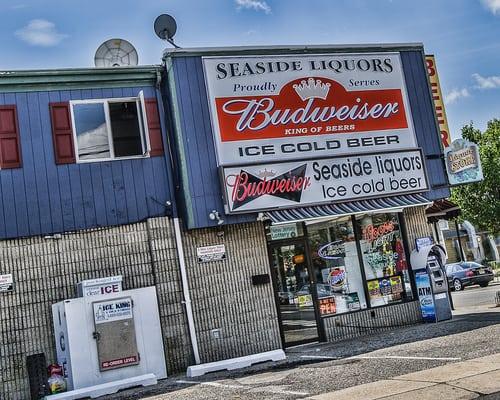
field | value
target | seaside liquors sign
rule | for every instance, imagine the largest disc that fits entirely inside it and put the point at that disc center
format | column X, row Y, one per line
column 251, row 188
column 270, row 108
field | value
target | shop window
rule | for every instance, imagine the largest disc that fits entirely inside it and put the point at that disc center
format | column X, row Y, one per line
column 108, row 129
column 386, row 268
column 336, row 266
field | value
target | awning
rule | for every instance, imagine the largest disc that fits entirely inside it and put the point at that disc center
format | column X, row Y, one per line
column 442, row 209
column 352, row 207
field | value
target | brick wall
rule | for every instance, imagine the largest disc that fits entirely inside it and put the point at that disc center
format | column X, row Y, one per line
column 372, row 321
column 223, row 295
column 46, row 271
column 416, row 223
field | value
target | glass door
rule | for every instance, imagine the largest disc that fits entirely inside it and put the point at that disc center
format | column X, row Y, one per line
column 293, row 285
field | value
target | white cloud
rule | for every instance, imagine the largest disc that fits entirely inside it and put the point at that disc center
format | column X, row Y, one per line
column 40, row 32
column 257, row 5
column 488, row 82
column 492, row 5
column 456, row 94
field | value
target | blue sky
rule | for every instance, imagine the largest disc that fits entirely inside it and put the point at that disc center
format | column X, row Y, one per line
column 463, row 34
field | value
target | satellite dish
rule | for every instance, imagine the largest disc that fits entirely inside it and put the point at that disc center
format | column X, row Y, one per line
column 116, row 53
column 165, row 28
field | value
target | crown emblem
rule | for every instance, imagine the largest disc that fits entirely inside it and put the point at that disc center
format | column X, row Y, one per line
column 312, row 89
column 266, row 174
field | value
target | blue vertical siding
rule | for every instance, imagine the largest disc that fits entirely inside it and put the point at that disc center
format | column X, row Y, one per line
column 43, row 198
column 202, row 190
column 424, row 121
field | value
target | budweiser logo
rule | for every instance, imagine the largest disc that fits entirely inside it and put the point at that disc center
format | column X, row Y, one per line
column 247, row 187
column 312, row 89
column 309, row 103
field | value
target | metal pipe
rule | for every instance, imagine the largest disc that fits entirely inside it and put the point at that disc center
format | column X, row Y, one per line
column 462, row 254
column 185, row 290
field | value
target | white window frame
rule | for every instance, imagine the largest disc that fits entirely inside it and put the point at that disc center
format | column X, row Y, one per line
column 142, row 119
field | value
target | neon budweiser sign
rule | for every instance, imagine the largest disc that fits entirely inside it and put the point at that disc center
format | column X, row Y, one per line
column 247, row 187
column 310, row 106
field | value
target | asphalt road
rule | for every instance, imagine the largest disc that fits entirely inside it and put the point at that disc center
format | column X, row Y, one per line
column 325, row 367
column 475, row 296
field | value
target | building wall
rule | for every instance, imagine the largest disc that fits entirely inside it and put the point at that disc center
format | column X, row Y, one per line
column 41, row 197
column 194, row 152
column 223, row 295
column 372, row 321
column 184, row 86
column 416, row 224
column 425, row 122
column 46, row 270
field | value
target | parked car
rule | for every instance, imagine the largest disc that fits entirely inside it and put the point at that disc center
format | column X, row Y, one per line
column 468, row 273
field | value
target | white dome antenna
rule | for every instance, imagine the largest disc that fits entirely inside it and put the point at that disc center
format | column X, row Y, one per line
column 116, row 53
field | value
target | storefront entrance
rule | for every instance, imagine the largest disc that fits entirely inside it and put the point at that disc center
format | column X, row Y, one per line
column 326, row 267
column 292, row 280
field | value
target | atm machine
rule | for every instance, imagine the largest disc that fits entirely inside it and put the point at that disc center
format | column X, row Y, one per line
column 428, row 265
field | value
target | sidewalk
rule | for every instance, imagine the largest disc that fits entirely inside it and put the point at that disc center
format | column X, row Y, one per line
column 470, row 379
column 376, row 361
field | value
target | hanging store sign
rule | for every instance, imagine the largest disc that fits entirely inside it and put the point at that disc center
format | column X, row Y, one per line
column 293, row 184
column 463, row 163
column 269, row 108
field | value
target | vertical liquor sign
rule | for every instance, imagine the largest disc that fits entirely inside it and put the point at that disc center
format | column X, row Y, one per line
column 437, row 96
column 463, row 164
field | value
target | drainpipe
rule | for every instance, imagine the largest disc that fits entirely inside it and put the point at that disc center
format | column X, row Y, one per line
column 178, row 239
column 185, row 290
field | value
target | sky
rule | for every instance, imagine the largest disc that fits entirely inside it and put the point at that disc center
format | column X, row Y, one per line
column 464, row 35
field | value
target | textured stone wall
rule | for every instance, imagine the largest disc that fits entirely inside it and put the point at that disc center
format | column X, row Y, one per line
column 224, row 298
column 46, row 271
column 416, row 223
column 371, row 321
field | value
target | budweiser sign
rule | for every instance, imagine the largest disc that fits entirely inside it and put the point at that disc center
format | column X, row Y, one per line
column 247, row 187
column 269, row 108
column 259, row 187
column 315, row 105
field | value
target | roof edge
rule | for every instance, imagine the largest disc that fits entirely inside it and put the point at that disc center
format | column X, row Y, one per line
column 73, row 78
column 290, row 49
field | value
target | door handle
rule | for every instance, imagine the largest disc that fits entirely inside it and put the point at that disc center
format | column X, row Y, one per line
column 96, row 335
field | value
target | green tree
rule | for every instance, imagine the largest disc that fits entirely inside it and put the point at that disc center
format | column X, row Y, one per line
column 480, row 201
